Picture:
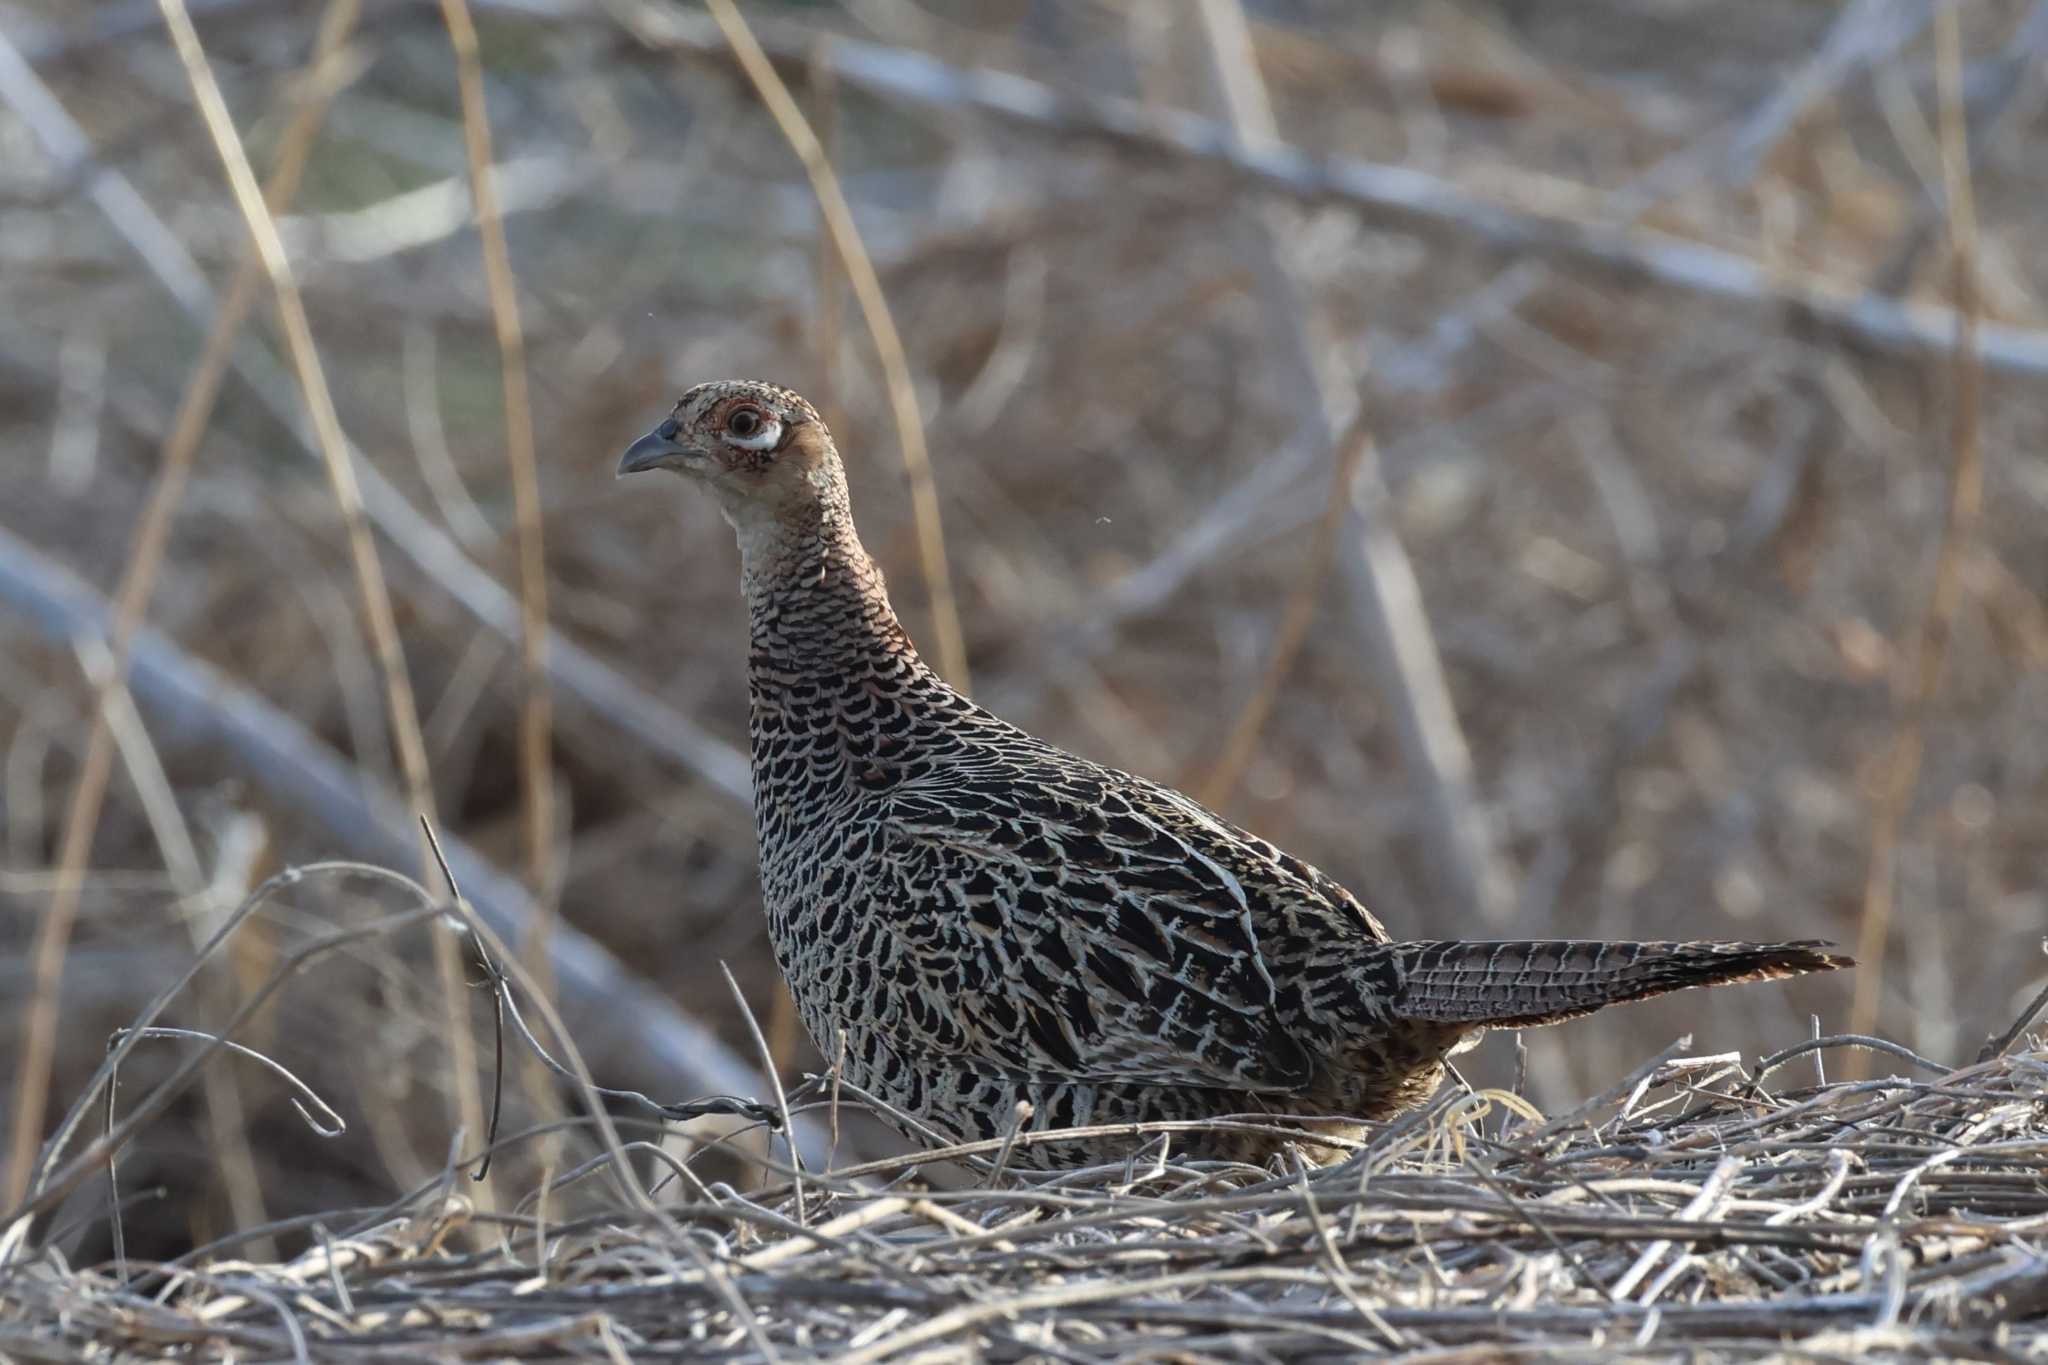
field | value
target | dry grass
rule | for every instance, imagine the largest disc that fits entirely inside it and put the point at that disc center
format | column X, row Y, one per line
column 1681, row 375
column 1690, row 1213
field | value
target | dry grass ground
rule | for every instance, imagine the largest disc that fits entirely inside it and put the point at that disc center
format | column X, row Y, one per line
column 1684, row 1214
column 1700, row 347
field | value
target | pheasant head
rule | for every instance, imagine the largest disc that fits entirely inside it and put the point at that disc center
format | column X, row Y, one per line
column 759, row 449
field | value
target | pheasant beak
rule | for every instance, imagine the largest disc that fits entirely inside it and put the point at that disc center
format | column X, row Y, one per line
column 658, row 449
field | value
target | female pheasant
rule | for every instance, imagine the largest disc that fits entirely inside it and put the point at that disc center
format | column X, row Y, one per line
column 971, row 917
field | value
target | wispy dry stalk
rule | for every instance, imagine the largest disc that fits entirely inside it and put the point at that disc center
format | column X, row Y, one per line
column 1922, row 678
column 529, row 987
column 536, row 724
column 1295, row 619
column 57, row 1177
column 373, row 595
column 949, row 644
column 138, row 581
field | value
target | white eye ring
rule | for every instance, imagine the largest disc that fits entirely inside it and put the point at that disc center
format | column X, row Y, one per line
column 763, row 437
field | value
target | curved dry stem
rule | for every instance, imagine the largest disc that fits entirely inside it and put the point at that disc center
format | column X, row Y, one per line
column 502, row 960
column 52, row 1181
column 305, row 1099
column 950, row 646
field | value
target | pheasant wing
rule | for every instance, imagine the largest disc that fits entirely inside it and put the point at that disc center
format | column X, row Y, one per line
column 1078, row 930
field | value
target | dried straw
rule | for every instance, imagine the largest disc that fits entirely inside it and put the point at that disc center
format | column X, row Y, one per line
column 1689, row 1209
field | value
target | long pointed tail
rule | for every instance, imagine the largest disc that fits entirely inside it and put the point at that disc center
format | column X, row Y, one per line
column 1510, row 985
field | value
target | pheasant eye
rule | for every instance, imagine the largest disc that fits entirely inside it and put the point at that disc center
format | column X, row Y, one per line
column 745, row 422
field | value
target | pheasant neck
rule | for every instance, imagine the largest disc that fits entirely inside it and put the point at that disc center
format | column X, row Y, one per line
column 815, row 600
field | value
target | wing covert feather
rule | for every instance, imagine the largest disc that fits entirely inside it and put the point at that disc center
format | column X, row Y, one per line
column 1116, row 951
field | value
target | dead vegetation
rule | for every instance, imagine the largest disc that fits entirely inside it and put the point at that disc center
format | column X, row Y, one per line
column 1686, row 1211
column 1688, row 582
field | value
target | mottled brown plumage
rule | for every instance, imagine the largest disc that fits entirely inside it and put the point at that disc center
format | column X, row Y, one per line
column 984, row 919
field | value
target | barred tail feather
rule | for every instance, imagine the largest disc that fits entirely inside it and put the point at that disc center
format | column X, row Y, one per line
column 1508, row 985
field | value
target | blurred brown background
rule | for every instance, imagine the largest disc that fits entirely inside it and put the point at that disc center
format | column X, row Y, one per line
column 1674, row 516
